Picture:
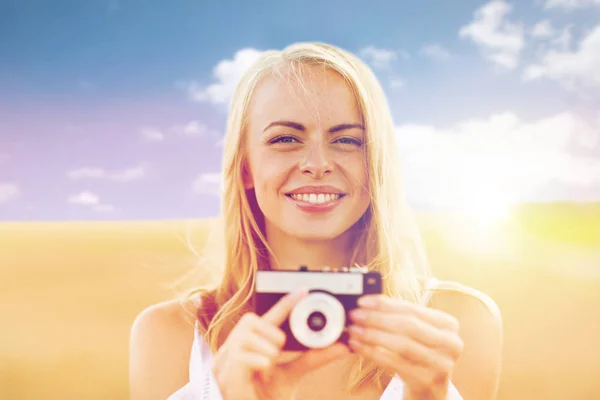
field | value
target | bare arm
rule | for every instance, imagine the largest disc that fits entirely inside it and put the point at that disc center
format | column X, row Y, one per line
column 160, row 343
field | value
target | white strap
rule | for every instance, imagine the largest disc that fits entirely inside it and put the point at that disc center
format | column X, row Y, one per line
column 430, row 286
column 210, row 388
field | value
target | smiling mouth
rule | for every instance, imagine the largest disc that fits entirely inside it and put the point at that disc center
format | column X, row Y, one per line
column 316, row 198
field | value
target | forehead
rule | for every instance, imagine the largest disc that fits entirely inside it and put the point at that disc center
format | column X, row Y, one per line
column 314, row 96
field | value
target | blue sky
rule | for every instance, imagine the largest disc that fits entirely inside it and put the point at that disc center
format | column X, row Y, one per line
column 115, row 109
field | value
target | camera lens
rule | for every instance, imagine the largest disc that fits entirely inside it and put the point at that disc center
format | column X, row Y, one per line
column 317, row 321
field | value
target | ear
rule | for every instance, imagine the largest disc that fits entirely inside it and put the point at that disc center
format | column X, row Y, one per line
column 247, row 177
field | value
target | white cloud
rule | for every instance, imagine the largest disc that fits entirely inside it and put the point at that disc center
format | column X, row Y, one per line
column 90, row 199
column 227, row 74
column 397, row 82
column 500, row 40
column 378, row 57
column 128, row 174
column 500, row 157
column 86, row 172
column 570, row 4
column 435, row 51
column 578, row 69
column 192, row 128
column 210, row 183
column 124, row 175
column 542, row 29
column 8, row 192
column 84, row 198
column 152, row 135
column 563, row 39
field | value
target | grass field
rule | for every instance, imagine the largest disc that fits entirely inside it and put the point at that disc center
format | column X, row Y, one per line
column 70, row 291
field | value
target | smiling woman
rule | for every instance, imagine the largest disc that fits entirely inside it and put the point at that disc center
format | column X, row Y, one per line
column 311, row 179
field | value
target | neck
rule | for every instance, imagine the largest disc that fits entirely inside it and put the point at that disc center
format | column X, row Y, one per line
column 292, row 252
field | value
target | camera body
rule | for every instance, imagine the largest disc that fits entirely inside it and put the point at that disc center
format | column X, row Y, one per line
column 321, row 318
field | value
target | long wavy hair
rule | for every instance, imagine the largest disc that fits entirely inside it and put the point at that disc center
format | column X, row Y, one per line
column 386, row 238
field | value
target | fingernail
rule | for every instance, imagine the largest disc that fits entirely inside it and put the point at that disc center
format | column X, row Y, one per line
column 300, row 293
column 356, row 330
column 366, row 301
column 357, row 315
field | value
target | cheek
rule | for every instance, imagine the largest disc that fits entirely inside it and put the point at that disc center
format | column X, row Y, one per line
column 265, row 168
column 357, row 171
column 360, row 183
column 269, row 180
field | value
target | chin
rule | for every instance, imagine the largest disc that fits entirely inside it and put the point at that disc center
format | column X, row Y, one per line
column 315, row 236
column 313, row 231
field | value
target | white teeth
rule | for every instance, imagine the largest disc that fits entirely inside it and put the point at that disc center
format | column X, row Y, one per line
column 314, row 198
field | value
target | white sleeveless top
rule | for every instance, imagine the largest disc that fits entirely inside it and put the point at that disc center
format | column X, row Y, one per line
column 203, row 386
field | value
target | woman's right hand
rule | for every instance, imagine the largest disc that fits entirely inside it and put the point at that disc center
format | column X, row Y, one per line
column 246, row 366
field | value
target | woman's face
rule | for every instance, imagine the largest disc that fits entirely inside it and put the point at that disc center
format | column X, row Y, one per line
column 306, row 155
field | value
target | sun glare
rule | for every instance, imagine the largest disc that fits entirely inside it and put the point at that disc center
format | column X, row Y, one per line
column 490, row 211
column 479, row 224
column 487, row 210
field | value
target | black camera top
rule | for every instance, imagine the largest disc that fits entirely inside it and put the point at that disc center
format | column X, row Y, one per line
column 304, row 268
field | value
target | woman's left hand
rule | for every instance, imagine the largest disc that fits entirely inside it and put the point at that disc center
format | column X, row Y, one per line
column 419, row 344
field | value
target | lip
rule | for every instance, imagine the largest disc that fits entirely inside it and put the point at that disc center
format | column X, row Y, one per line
column 324, row 189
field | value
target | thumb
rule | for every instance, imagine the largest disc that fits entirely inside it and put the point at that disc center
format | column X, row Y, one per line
column 316, row 358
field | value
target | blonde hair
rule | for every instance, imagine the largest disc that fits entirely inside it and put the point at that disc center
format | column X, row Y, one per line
column 386, row 240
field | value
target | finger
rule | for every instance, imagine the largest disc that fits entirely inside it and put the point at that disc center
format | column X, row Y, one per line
column 431, row 316
column 395, row 323
column 255, row 361
column 285, row 357
column 251, row 322
column 437, row 371
column 316, row 358
column 378, row 354
column 260, row 345
column 403, row 345
column 270, row 332
column 280, row 310
column 410, row 326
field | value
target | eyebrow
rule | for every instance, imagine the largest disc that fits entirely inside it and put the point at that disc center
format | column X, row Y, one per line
column 300, row 127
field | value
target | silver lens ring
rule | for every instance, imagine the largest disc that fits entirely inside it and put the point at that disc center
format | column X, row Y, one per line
column 332, row 310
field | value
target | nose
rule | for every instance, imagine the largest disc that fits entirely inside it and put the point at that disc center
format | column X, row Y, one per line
column 317, row 161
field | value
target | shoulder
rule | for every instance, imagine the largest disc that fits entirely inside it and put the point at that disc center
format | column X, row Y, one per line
column 459, row 296
column 477, row 372
column 160, row 342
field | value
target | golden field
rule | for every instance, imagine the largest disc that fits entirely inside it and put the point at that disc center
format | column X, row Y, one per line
column 70, row 291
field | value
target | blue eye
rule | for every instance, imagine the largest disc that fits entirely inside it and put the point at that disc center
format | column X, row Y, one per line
column 350, row 140
column 283, row 139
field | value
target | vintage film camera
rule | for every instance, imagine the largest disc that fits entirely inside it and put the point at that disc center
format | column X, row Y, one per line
column 321, row 318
